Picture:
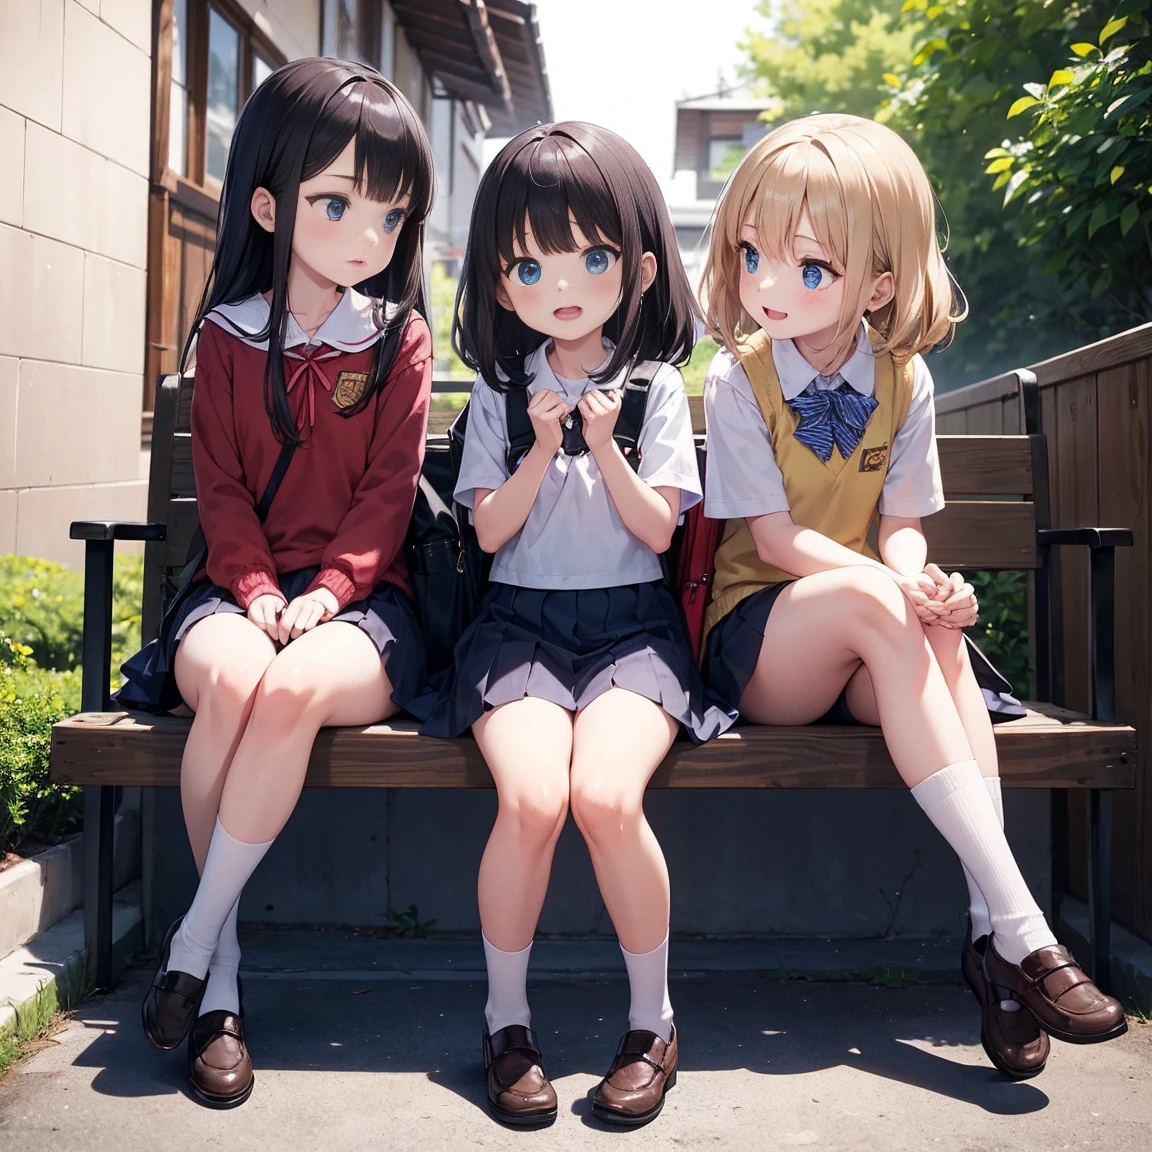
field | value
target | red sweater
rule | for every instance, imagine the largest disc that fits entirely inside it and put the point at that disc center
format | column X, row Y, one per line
column 347, row 496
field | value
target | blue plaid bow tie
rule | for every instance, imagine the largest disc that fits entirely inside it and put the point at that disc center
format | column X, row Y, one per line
column 833, row 416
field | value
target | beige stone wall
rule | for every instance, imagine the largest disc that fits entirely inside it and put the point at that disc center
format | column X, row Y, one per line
column 75, row 93
column 292, row 25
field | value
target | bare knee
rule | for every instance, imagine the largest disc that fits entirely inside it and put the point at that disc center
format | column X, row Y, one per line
column 534, row 816
column 229, row 687
column 874, row 608
column 604, row 812
column 287, row 697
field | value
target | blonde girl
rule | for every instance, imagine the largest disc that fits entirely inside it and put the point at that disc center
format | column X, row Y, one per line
column 825, row 283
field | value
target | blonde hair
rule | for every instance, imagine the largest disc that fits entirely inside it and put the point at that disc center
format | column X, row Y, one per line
column 871, row 207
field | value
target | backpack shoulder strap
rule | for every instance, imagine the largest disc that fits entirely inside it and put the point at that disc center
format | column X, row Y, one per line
column 287, row 450
column 521, row 436
column 633, row 406
column 755, row 356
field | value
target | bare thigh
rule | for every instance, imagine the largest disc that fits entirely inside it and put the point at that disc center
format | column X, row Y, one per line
column 527, row 745
column 225, row 649
column 335, row 674
column 807, row 657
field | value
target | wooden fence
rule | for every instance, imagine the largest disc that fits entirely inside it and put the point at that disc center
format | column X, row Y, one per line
column 1096, row 411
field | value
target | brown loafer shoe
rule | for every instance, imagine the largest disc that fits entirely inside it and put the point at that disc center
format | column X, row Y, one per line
column 1057, row 991
column 519, row 1092
column 219, row 1067
column 171, row 1002
column 632, row 1093
column 1014, row 1042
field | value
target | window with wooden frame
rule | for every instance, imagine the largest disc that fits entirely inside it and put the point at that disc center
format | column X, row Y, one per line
column 208, row 57
column 218, row 57
column 356, row 30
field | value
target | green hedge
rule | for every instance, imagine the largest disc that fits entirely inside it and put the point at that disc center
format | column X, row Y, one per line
column 41, row 616
column 1002, row 630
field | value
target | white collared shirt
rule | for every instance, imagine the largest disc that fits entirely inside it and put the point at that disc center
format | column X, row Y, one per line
column 743, row 477
column 350, row 327
column 574, row 537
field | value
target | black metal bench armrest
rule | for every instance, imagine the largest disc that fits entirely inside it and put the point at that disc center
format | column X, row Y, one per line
column 1090, row 537
column 100, row 538
column 1102, row 544
column 115, row 530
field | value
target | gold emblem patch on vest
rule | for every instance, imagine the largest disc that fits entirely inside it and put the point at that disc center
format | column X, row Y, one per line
column 873, row 459
column 349, row 388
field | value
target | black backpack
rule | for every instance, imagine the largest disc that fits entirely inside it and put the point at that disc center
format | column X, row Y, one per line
column 449, row 569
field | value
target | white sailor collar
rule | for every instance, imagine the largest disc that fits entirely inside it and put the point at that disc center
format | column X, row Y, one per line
column 796, row 373
column 350, row 327
column 543, row 375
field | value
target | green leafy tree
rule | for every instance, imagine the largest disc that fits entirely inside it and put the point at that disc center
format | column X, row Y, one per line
column 828, row 55
column 1082, row 177
column 951, row 101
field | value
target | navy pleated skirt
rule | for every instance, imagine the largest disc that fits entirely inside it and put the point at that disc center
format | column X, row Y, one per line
column 570, row 646
column 386, row 616
column 733, row 648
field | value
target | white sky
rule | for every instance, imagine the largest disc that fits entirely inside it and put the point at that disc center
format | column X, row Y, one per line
column 623, row 64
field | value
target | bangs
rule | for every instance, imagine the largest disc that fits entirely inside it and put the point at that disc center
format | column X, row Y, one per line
column 795, row 177
column 551, row 185
column 391, row 150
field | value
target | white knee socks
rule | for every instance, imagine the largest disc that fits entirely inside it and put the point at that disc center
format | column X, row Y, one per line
column 957, row 802
column 226, row 870
column 507, row 987
column 223, row 991
column 977, row 908
column 651, row 1009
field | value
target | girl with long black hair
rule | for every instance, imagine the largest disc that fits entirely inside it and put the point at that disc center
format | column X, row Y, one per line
column 309, row 349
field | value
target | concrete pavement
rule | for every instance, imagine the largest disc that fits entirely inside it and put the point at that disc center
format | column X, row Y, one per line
column 368, row 1044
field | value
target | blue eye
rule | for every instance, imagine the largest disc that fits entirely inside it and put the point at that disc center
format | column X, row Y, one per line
column 816, row 276
column 751, row 257
column 335, row 208
column 528, row 271
column 598, row 261
column 394, row 219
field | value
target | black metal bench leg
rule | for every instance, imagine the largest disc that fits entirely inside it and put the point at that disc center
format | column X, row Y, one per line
column 99, row 854
column 1100, row 885
column 99, row 801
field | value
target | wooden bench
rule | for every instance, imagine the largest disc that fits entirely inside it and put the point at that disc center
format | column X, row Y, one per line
column 997, row 519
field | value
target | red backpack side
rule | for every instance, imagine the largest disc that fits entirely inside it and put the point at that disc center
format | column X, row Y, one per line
column 696, row 564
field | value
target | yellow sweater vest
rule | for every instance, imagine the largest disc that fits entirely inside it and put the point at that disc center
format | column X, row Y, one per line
column 838, row 499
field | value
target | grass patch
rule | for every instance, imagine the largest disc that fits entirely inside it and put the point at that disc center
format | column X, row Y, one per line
column 42, row 1017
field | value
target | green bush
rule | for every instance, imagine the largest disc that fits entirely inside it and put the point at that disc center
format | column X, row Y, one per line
column 42, row 608
column 1002, row 630
column 32, row 699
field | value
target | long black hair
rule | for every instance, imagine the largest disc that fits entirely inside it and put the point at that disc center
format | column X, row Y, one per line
column 541, row 181
column 293, row 127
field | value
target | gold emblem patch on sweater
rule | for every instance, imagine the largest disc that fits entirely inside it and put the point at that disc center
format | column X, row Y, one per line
column 873, row 459
column 349, row 388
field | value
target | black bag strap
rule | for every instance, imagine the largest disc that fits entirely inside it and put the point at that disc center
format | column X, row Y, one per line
column 198, row 546
column 521, row 436
column 287, row 449
column 633, row 405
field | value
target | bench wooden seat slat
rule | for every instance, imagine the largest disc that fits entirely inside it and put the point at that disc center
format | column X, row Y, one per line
column 1048, row 749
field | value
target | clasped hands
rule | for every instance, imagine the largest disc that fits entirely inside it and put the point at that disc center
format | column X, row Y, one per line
column 285, row 622
column 598, row 408
column 940, row 600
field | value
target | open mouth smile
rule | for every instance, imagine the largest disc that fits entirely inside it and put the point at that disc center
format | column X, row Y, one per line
column 772, row 314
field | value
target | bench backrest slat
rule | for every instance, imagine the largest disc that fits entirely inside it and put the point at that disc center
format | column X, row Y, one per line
column 996, row 487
